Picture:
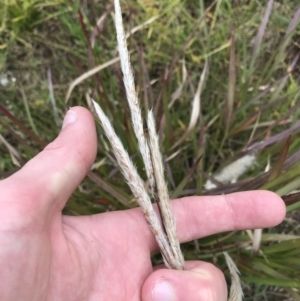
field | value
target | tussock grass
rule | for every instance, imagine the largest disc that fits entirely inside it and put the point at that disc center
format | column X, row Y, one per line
column 248, row 104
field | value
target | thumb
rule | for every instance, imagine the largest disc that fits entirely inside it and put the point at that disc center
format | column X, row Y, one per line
column 45, row 183
column 200, row 281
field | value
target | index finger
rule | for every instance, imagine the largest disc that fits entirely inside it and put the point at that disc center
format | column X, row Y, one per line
column 197, row 217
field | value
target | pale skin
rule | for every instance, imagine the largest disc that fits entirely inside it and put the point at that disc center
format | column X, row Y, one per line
column 47, row 256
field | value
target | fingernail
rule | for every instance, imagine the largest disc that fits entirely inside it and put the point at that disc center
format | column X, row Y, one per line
column 70, row 118
column 163, row 291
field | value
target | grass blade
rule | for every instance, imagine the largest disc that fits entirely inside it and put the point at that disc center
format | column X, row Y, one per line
column 31, row 122
column 110, row 189
column 294, row 22
column 57, row 119
column 88, row 74
column 196, row 107
column 276, row 170
column 276, row 138
column 231, row 83
column 261, row 31
column 14, row 154
column 185, row 179
column 271, row 281
column 22, row 127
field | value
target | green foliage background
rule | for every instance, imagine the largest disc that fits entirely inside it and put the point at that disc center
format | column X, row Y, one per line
column 249, row 103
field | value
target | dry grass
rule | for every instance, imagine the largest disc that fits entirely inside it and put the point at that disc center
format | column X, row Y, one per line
column 165, row 234
column 253, row 78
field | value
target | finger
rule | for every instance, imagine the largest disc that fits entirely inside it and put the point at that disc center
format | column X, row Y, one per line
column 188, row 265
column 47, row 181
column 237, row 211
column 197, row 217
column 200, row 281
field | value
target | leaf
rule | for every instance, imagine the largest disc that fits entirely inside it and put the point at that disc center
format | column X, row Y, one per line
column 196, row 111
column 185, row 179
column 99, row 25
column 24, row 129
column 262, row 29
column 245, row 124
column 277, row 138
column 31, row 121
column 271, row 281
column 175, row 95
column 110, row 189
column 231, row 83
column 276, row 170
column 267, row 270
column 88, row 74
column 293, row 23
column 291, row 198
column 293, row 207
column 289, row 187
column 14, row 154
column 22, row 141
column 283, row 247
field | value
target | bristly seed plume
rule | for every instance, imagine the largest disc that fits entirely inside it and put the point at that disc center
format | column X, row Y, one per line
column 162, row 190
column 236, row 291
column 136, row 115
column 137, row 187
column 166, row 236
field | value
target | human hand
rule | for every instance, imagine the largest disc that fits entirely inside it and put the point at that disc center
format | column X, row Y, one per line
column 47, row 256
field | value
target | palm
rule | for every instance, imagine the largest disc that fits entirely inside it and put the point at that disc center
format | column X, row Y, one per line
column 94, row 263
column 47, row 256
column 111, row 256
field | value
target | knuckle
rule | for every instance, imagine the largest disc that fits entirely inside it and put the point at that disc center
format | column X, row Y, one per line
column 213, row 284
column 207, row 292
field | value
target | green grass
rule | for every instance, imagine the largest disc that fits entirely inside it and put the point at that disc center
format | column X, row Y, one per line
column 247, row 96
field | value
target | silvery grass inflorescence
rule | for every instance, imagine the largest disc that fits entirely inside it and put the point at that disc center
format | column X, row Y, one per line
column 166, row 235
column 137, row 187
column 231, row 172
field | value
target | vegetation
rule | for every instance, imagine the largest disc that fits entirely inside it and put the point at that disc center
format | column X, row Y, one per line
column 223, row 80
